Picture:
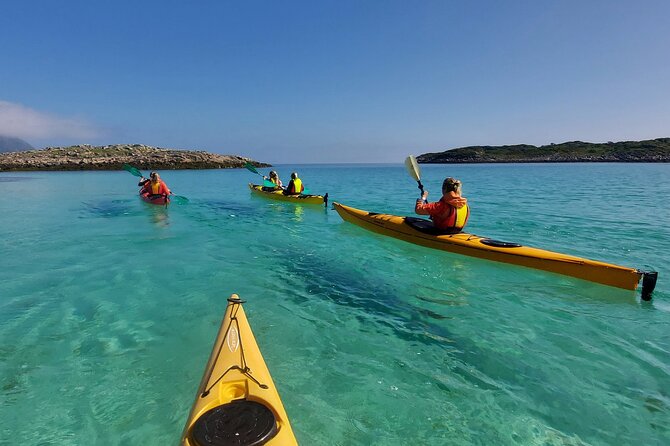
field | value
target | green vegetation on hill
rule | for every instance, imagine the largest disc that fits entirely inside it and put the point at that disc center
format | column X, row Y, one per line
column 653, row 150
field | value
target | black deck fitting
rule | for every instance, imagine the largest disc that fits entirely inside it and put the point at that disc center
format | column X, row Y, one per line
column 648, row 283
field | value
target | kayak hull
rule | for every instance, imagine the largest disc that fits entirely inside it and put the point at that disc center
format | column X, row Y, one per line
column 257, row 189
column 484, row 248
column 160, row 200
column 237, row 390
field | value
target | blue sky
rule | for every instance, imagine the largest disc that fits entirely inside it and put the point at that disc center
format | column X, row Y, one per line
column 333, row 81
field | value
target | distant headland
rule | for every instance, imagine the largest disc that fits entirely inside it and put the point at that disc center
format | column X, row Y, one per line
column 13, row 144
column 112, row 157
column 649, row 151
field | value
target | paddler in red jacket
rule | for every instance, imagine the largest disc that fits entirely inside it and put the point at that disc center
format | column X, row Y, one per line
column 154, row 185
column 451, row 212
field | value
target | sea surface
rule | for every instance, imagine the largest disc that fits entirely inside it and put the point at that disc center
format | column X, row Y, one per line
column 109, row 307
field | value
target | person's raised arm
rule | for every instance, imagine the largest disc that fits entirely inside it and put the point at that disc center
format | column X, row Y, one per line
column 422, row 206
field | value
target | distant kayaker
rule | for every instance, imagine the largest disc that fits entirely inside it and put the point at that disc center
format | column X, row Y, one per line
column 274, row 178
column 295, row 186
column 451, row 212
column 154, row 185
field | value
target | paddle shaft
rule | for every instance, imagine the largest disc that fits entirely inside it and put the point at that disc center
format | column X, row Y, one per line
column 420, row 187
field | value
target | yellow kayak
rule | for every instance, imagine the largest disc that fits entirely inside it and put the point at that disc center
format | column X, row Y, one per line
column 279, row 195
column 237, row 403
column 421, row 232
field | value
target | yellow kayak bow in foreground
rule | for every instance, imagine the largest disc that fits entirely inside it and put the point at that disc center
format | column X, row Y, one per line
column 237, row 403
column 421, row 232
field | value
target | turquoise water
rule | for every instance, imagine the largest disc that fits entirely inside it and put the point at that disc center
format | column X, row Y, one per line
column 109, row 307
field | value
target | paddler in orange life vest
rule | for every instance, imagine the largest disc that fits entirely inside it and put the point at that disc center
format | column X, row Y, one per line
column 295, row 186
column 451, row 212
column 154, row 185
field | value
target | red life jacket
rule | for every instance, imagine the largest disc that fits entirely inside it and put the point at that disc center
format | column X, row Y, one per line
column 160, row 189
column 453, row 217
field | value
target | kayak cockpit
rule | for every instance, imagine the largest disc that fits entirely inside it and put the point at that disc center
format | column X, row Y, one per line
column 427, row 227
column 240, row 422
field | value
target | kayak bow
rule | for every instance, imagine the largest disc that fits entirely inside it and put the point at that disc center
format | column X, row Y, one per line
column 159, row 199
column 420, row 231
column 279, row 195
column 237, row 402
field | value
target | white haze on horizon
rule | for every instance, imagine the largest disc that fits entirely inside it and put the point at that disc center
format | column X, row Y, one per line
column 19, row 121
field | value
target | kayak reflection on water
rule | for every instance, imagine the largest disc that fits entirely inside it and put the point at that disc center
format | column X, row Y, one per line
column 298, row 212
column 159, row 216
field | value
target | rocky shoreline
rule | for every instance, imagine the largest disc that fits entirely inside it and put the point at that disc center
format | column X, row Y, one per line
column 113, row 157
column 648, row 151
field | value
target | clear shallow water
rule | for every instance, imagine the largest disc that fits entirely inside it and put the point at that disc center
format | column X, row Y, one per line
column 109, row 307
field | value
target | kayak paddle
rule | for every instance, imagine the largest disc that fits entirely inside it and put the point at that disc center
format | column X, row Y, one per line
column 133, row 170
column 413, row 169
column 136, row 172
column 178, row 199
column 266, row 182
column 251, row 168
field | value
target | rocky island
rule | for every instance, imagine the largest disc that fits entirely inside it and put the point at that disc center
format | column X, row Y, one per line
column 649, row 151
column 112, row 157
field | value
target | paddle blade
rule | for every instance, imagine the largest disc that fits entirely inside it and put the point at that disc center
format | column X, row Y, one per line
column 306, row 192
column 178, row 199
column 251, row 168
column 132, row 170
column 413, row 168
column 268, row 183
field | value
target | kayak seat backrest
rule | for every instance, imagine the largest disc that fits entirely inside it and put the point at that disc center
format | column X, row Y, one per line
column 240, row 422
column 427, row 227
